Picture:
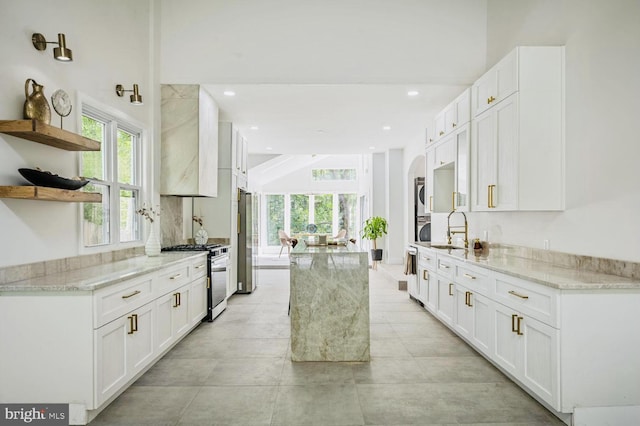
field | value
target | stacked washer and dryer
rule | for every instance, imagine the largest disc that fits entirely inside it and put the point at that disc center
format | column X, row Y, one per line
column 422, row 218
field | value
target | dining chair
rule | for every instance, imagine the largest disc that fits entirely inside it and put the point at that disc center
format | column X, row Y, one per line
column 285, row 241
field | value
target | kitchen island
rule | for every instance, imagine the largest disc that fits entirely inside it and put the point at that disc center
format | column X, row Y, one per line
column 329, row 287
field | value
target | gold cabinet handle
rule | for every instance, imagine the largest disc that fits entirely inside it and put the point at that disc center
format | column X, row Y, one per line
column 443, row 266
column 176, row 300
column 470, row 304
column 176, row 276
column 208, row 282
column 441, row 133
column 133, row 323
column 430, row 203
column 521, row 296
column 450, row 289
column 441, row 162
column 126, row 296
column 490, row 203
column 425, row 274
column 200, row 266
column 466, row 298
column 471, row 277
column 513, row 323
column 519, row 332
column 490, row 99
column 453, row 124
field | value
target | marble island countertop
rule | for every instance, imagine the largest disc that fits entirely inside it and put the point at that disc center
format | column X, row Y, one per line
column 95, row 277
column 304, row 248
column 502, row 259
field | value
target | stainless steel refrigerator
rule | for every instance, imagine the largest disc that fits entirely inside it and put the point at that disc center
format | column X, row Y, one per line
column 247, row 281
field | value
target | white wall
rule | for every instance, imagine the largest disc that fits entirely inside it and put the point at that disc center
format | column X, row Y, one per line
column 111, row 44
column 602, row 107
column 395, row 240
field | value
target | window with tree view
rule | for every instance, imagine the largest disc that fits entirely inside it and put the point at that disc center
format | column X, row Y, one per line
column 114, row 172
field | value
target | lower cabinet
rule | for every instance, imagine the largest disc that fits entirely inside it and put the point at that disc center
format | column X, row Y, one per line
column 473, row 318
column 528, row 349
column 446, row 300
column 123, row 348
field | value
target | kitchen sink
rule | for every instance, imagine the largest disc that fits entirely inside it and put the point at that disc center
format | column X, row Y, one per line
column 446, row 247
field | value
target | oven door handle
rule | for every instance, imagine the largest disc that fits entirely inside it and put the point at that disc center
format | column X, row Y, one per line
column 218, row 268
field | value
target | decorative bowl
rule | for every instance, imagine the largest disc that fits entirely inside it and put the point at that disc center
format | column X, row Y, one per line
column 48, row 179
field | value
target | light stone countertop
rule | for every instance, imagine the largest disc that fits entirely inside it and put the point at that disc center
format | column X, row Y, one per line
column 303, row 249
column 559, row 277
column 95, row 277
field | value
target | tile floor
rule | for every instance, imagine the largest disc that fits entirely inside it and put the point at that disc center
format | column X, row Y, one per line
column 237, row 371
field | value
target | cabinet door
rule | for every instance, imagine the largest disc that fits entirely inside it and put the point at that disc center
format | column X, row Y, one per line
column 198, row 300
column 180, row 312
column 431, row 292
column 439, row 125
column 540, row 359
column 111, row 358
column 445, row 152
column 423, row 282
column 505, row 192
column 463, row 319
column 483, row 320
column 450, row 117
column 481, row 92
column 140, row 343
column 506, row 349
column 245, row 153
column 164, row 328
column 462, row 187
column 483, row 164
column 446, row 300
column 462, row 110
column 428, row 181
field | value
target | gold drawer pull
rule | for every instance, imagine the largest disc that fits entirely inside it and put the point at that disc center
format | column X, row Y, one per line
column 513, row 323
column 133, row 323
column 200, row 266
column 467, row 298
column 521, row 296
column 443, row 266
column 175, row 276
column 453, row 124
column 425, row 274
column 441, row 133
column 519, row 332
column 126, row 296
column 471, row 277
column 176, row 300
column 450, row 289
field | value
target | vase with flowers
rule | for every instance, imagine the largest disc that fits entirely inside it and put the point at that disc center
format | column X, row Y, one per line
column 152, row 247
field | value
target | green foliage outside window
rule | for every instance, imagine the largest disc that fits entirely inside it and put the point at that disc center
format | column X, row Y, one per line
column 299, row 213
column 275, row 218
column 333, row 174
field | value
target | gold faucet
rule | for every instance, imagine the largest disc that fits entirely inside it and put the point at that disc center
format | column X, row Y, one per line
column 465, row 232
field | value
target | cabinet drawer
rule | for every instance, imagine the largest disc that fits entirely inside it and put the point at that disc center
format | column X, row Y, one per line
column 173, row 278
column 444, row 267
column 532, row 299
column 199, row 268
column 427, row 259
column 473, row 278
column 114, row 301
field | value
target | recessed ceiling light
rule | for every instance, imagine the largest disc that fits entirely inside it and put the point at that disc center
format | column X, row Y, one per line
column 254, row 127
column 268, row 148
column 413, row 93
column 229, row 93
column 386, row 128
column 372, row 147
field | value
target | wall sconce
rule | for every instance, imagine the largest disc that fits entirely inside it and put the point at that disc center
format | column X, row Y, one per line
column 61, row 52
column 136, row 99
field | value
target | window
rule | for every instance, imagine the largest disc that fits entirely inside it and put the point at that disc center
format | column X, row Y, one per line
column 333, row 174
column 293, row 213
column 115, row 172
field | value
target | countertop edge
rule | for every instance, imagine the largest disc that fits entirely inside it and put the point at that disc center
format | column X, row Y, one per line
column 93, row 278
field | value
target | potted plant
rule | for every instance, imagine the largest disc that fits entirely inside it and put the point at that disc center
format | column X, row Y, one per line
column 374, row 228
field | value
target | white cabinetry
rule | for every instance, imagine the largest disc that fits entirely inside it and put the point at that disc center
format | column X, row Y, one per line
column 189, row 122
column 97, row 342
column 453, row 116
column 517, row 148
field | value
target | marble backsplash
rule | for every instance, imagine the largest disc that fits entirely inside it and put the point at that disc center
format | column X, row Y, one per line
column 171, row 221
column 573, row 261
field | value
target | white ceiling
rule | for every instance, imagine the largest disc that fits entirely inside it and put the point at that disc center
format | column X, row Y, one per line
column 325, row 77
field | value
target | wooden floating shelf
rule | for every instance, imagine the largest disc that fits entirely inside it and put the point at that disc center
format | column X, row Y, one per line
column 37, row 131
column 49, row 194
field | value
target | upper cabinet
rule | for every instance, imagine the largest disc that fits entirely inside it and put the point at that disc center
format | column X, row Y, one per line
column 496, row 84
column 454, row 115
column 189, row 141
column 517, row 137
column 233, row 152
